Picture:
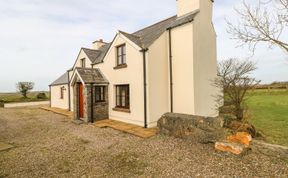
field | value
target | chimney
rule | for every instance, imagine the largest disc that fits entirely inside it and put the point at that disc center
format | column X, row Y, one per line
column 186, row 6
column 97, row 44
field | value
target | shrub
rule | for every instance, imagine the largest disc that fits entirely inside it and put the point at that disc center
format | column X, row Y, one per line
column 41, row 96
column 24, row 87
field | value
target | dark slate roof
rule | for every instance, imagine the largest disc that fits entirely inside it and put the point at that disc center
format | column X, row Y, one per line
column 61, row 80
column 134, row 38
column 145, row 37
column 149, row 34
column 183, row 19
column 89, row 75
column 104, row 49
column 92, row 54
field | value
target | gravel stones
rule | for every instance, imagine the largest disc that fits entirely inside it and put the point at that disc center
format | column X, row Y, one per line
column 49, row 145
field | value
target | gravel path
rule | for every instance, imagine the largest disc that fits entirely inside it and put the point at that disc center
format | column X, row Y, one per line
column 49, row 145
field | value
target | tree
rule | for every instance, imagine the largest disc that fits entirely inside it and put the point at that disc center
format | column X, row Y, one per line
column 234, row 81
column 24, row 87
column 258, row 24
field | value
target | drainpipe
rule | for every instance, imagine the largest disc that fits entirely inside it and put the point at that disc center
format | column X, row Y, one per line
column 69, row 97
column 145, row 86
column 92, row 106
column 171, row 70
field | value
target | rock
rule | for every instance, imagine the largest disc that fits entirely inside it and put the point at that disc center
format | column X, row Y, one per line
column 242, row 127
column 235, row 144
column 241, row 138
column 195, row 128
column 270, row 149
column 234, row 148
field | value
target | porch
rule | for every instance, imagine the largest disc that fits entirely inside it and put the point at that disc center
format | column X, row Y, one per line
column 90, row 95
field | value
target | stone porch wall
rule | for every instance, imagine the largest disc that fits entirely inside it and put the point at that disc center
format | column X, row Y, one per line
column 100, row 110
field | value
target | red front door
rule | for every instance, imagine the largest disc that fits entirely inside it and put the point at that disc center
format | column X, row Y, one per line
column 81, row 111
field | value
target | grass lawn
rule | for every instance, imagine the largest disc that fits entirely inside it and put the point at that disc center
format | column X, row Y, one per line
column 17, row 97
column 269, row 111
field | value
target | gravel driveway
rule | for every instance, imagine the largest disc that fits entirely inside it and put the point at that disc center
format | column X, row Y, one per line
column 49, row 145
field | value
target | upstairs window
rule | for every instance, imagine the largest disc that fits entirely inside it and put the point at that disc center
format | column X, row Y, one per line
column 121, row 55
column 62, row 89
column 99, row 94
column 83, row 63
column 122, row 96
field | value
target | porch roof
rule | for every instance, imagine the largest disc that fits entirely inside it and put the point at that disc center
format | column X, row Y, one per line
column 90, row 76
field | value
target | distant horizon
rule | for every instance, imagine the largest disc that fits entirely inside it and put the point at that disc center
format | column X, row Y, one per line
column 40, row 40
column 7, row 92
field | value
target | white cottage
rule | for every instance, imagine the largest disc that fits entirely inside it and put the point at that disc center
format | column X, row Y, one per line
column 136, row 78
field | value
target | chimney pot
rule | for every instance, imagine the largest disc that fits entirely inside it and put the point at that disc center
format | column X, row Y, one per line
column 97, row 44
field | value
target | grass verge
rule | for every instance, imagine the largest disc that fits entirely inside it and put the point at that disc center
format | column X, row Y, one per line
column 17, row 97
column 269, row 111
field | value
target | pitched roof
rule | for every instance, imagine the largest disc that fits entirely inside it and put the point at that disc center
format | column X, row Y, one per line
column 92, row 54
column 96, row 56
column 104, row 49
column 149, row 34
column 89, row 75
column 183, row 19
column 146, row 36
column 134, row 38
column 61, row 80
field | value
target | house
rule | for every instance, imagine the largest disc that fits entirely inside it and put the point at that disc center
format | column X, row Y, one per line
column 136, row 78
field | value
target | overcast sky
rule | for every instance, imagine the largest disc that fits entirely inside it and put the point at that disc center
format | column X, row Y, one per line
column 40, row 39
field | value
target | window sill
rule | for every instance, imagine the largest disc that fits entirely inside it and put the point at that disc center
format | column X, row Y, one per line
column 121, row 66
column 122, row 110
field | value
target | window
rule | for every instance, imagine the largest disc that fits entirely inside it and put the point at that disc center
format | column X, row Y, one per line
column 100, row 94
column 122, row 96
column 121, row 55
column 62, row 89
column 83, row 63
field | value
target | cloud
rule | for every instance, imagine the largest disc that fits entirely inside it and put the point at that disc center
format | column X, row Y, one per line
column 40, row 39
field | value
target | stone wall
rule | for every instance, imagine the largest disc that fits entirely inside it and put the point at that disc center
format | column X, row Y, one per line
column 101, row 109
column 195, row 128
column 87, row 103
column 75, row 101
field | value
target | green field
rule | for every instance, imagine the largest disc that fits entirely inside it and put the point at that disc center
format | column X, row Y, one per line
column 17, row 97
column 269, row 114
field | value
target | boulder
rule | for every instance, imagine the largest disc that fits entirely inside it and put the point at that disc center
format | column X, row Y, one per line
column 194, row 128
column 235, row 144
column 241, row 138
column 270, row 149
column 231, row 147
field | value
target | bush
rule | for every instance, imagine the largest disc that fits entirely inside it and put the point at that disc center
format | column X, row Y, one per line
column 41, row 96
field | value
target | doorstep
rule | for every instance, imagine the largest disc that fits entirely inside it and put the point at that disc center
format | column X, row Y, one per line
column 127, row 128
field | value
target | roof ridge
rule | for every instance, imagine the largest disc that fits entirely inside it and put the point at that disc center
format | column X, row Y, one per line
column 154, row 24
column 90, row 49
column 129, row 33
